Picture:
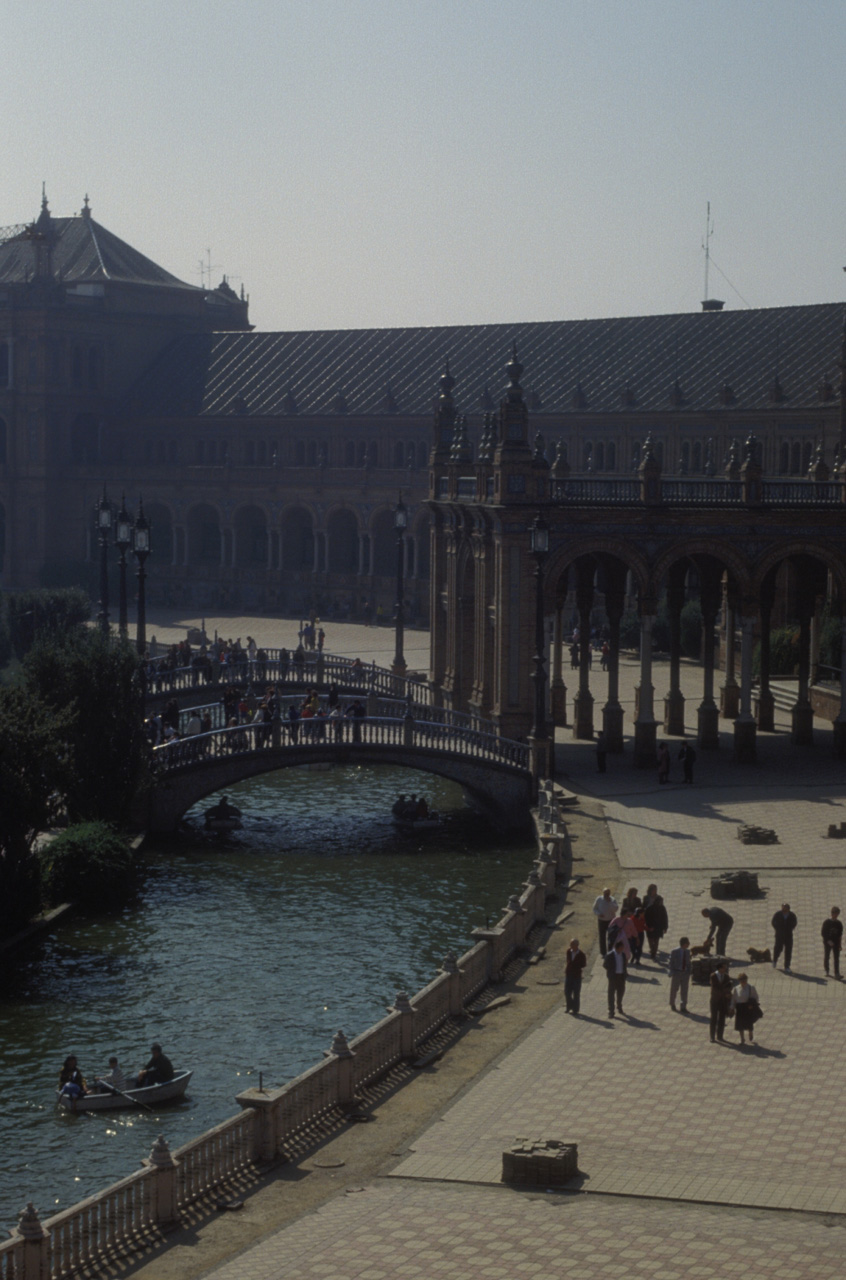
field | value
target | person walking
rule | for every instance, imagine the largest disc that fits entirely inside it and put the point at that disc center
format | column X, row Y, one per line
column 784, row 922
column 721, row 926
column 745, row 1006
column 616, row 966
column 574, row 966
column 605, row 909
column 680, row 974
column 832, row 936
column 601, row 751
column 721, row 993
column 687, row 755
column 657, row 921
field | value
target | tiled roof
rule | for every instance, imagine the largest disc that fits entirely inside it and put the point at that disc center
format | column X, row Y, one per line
column 751, row 360
column 82, row 251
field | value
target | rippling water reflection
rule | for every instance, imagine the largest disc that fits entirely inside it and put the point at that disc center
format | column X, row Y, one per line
column 241, row 957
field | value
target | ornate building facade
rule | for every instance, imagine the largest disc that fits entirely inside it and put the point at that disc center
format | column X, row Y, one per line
column 270, row 463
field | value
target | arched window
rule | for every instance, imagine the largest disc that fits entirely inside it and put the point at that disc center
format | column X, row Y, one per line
column 361, row 453
column 599, row 457
column 784, row 458
column 697, row 458
column 611, row 457
column 373, row 454
column 410, row 456
column 795, row 458
column 349, row 453
column 299, row 457
column 342, row 535
column 312, row 453
column 635, row 455
column 685, row 456
column 261, row 452
column 199, row 452
column 587, row 455
column 399, row 454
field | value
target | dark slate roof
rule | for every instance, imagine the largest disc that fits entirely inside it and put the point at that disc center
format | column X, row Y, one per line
column 82, row 251
column 750, row 359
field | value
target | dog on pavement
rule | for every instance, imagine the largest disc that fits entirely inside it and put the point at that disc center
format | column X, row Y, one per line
column 704, row 950
column 756, row 956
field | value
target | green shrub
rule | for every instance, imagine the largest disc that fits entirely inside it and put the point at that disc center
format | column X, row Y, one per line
column 89, row 864
column 630, row 631
column 46, row 613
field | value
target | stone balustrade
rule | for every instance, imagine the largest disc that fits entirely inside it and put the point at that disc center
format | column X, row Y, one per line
column 135, row 1210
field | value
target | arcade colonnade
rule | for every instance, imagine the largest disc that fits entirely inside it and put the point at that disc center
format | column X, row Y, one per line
column 269, row 544
column 483, row 641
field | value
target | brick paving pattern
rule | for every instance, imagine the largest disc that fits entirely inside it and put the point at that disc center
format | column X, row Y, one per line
column 698, row 1159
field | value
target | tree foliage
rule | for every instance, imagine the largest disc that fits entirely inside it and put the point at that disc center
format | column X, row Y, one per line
column 89, row 864
column 93, row 679
column 48, row 613
column 32, row 763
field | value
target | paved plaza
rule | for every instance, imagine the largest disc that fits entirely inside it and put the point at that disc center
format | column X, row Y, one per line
column 697, row 1159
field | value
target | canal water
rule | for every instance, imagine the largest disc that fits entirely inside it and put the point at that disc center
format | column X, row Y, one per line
column 241, row 956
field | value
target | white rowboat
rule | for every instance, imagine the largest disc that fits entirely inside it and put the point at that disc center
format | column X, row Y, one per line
column 147, row 1094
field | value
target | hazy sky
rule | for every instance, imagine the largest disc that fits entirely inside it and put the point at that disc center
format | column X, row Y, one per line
column 383, row 162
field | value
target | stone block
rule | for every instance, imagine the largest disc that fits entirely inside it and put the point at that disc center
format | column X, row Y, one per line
column 548, row 1162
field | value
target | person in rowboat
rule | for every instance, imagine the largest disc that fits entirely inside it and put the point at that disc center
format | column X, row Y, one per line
column 157, row 1071
column 71, row 1079
column 114, row 1077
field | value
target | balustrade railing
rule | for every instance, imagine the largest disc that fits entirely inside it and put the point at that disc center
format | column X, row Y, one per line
column 802, row 493
column 124, row 1216
column 716, row 491
column 319, row 732
column 701, row 493
column 317, row 669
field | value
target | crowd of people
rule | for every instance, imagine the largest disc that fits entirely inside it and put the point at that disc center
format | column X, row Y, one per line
column 626, row 929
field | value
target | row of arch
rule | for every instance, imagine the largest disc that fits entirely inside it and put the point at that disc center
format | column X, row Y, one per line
column 342, row 542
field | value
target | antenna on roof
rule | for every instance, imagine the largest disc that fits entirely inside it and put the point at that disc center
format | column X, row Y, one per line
column 706, row 244
column 206, row 267
column 709, row 304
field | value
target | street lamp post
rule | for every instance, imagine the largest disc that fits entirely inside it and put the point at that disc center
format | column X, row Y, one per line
column 123, row 538
column 539, row 542
column 103, row 512
column 141, row 549
column 400, row 524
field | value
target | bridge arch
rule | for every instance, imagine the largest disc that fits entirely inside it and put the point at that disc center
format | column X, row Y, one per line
column 565, row 558
column 825, row 553
column 501, row 789
column 694, row 549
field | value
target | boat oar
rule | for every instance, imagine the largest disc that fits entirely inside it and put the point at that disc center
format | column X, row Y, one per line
column 136, row 1102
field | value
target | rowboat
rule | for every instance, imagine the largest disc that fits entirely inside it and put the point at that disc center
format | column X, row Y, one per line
column 113, row 1101
column 411, row 825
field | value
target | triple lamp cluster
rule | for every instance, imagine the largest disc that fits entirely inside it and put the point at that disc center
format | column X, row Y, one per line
column 128, row 534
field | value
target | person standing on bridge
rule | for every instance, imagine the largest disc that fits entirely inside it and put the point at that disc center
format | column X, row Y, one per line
column 294, row 722
column 356, row 713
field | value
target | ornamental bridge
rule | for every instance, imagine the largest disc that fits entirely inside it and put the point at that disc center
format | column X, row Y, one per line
column 496, row 771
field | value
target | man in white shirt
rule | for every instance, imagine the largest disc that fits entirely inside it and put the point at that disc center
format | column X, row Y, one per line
column 605, row 909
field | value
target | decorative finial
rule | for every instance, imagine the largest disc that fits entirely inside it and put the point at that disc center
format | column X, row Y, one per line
column 86, row 207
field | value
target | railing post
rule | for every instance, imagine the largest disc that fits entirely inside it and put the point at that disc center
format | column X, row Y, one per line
column 403, row 1006
column 164, row 1206
column 341, row 1050
column 451, row 969
column 320, row 668
column 35, row 1249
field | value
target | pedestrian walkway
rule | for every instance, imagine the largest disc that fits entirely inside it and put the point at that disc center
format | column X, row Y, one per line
column 697, row 1159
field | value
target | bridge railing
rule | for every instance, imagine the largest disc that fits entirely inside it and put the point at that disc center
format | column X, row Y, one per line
column 390, row 708
column 249, row 739
column 318, row 669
